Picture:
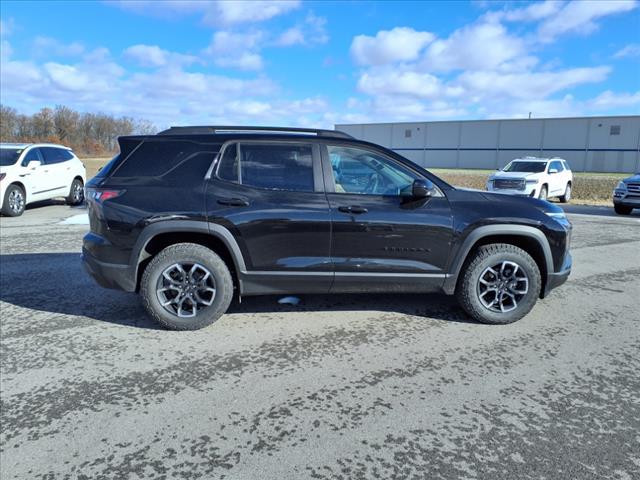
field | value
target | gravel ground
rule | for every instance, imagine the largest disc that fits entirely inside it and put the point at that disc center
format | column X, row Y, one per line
column 353, row 387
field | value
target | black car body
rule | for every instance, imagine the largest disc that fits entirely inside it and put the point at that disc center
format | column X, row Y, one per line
column 289, row 212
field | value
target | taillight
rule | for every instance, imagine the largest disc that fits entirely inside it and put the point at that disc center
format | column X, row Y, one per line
column 100, row 196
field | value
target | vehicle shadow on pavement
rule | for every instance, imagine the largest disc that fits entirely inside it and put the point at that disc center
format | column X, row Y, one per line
column 56, row 283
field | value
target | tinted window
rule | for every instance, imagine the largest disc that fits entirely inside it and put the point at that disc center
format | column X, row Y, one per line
column 9, row 156
column 273, row 167
column 155, row 158
column 228, row 169
column 364, row 172
column 53, row 155
column 191, row 170
column 32, row 155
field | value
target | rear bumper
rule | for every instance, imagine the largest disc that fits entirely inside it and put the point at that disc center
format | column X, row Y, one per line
column 109, row 275
column 555, row 279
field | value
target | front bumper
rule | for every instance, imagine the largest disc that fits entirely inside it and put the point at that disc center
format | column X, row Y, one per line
column 555, row 279
column 530, row 190
column 624, row 199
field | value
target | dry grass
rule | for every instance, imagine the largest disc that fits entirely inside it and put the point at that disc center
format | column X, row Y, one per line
column 589, row 188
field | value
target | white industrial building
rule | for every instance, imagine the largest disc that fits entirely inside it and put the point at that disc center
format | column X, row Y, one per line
column 589, row 144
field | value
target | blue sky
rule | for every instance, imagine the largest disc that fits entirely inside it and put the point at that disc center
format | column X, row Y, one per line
column 308, row 63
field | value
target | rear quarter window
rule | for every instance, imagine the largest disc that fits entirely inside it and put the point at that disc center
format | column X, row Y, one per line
column 155, row 158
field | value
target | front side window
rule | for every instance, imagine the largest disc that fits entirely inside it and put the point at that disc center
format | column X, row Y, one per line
column 32, row 155
column 367, row 173
column 269, row 166
column 557, row 165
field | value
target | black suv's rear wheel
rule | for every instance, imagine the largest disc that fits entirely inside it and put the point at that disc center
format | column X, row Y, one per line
column 186, row 287
column 500, row 284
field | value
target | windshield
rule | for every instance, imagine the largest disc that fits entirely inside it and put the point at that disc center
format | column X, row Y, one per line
column 529, row 167
column 9, row 156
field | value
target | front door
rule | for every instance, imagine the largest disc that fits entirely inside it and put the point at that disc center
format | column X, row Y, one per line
column 381, row 237
column 35, row 178
column 270, row 194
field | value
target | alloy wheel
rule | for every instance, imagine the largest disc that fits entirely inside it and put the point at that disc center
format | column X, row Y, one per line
column 16, row 201
column 77, row 193
column 184, row 289
column 502, row 286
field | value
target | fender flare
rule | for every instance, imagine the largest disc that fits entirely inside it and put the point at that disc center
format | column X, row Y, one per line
column 171, row 226
column 479, row 233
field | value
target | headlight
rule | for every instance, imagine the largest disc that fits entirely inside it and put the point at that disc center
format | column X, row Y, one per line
column 557, row 215
column 621, row 186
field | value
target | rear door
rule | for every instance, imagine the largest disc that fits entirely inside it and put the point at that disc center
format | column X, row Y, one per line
column 382, row 238
column 269, row 194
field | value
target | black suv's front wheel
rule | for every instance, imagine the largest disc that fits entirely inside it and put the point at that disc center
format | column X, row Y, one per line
column 500, row 284
column 186, row 287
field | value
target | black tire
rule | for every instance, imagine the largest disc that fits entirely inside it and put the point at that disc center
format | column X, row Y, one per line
column 567, row 194
column 186, row 253
column 76, row 193
column 469, row 288
column 544, row 193
column 622, row 210
column 14, row 201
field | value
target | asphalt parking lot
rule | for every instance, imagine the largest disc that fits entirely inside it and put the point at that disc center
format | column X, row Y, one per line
column 350, row 387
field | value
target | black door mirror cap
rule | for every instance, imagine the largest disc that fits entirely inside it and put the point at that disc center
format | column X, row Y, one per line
column 422, row 188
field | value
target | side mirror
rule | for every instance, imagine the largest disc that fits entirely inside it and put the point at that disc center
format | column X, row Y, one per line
column 33, row 164
column 422, row 188
column 553, row 170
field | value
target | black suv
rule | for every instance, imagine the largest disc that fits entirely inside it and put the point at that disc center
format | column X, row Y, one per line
column 191, row 215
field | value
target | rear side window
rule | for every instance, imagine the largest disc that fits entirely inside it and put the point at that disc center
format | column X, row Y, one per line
column 53, row 155
column 152, row 159
column 272, row 167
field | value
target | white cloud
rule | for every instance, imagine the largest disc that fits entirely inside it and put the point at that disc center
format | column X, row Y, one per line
column 389, row 46
column 213, row 13
column 47, row 47
column 580, row 17
column 391, row 81
column 530, row 13
column 528, row 85
column 236, row 50
column 311, row 31
column 608, row 100
column 154, row 56
column 481, row 45
column 631, row 50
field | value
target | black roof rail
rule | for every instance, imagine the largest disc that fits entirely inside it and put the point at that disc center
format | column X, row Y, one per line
column 221, row 130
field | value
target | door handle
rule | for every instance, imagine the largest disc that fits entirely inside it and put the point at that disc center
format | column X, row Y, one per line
column 355, row 209
column 233, row 202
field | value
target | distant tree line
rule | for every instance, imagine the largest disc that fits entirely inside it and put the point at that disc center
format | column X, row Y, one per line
column 87, row 133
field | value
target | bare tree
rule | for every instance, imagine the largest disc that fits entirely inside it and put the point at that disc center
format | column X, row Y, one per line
column 87, row 133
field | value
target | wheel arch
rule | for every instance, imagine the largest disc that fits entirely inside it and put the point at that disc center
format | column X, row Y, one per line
column 530, row 239
column 155, row 237
column 22, row 186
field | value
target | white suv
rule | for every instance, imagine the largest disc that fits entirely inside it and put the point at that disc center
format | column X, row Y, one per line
column 30, row 172
column 534, row 177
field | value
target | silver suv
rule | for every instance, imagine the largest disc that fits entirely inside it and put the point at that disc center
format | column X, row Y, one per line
column 626, row 195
